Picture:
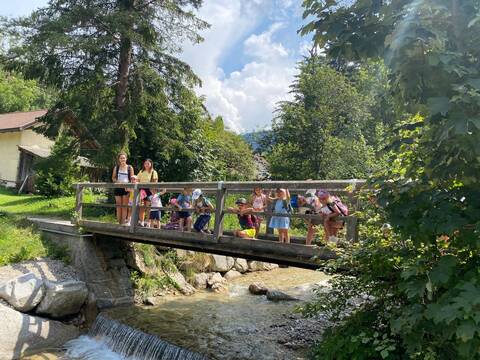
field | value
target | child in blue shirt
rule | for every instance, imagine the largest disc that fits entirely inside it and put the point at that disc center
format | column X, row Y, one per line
column 184, row 201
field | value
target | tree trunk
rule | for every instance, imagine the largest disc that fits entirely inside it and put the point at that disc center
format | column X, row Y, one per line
column 457, row 21
column 125, row 60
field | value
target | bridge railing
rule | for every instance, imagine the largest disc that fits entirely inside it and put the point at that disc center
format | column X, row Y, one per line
column 346, row 189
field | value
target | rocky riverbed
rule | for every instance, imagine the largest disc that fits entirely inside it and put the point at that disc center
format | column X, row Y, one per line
column 235, row 324
column 219, row 318
column 41, row 306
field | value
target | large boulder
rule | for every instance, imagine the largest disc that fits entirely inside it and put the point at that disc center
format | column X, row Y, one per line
column 182, row 284
column 257, row 289
column 135, row 259
column 232, row 274
column 23, row 292
column 63, row 298
column 261, row 266
column 220, row 263
column 200, row 280
column 23, row 334
column 217, row 283
column 241, row 265
column 275, row 295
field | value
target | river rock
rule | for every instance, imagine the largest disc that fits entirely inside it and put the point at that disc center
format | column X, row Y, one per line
column 232, row 274
column 200, row 280
column 23, row 334
column 241, row 265
column 23, row 292
column 220, row 263
column 217, row 283
column 135, row 259
column 62, row 298
column 276, row 295
column 151, row 301
column 257, row 289
column 261, row 266
column 182, row 284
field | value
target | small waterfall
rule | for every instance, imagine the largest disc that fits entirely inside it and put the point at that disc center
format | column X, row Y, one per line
column 129, row 343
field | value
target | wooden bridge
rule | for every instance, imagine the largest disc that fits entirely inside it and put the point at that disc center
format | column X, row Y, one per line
column 265, row 248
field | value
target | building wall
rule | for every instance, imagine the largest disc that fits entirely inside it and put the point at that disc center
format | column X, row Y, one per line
column 30, row 137
column 10, row 155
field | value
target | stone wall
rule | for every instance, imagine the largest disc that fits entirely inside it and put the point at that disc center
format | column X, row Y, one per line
column 99, row 261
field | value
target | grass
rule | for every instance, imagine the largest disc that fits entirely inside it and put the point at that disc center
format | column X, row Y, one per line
column 19, row 240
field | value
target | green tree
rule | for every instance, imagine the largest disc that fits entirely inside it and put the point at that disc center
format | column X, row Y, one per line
column 17, row 94
column 56, row 174
column 320, row 133
column 107, row 58
column 424, row 278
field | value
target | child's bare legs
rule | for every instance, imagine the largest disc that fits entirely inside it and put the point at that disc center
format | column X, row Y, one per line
column 188, row 223
column 124, row 210
column 310, row 234
column 283, row 236
column 119, row 210
column 241, row 234
column 280, row 235
column 181, row 223
column 326, row 229
column 257, row 228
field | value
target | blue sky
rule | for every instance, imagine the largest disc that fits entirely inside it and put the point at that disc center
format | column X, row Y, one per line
column 248, row 58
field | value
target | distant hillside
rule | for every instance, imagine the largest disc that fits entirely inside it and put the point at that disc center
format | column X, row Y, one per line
column 254, row 139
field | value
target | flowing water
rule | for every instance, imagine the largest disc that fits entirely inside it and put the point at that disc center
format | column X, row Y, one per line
column 233, row 325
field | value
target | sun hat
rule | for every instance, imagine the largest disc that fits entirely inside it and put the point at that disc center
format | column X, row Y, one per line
column 241, row 201
column 322, row 193
column 196, row 194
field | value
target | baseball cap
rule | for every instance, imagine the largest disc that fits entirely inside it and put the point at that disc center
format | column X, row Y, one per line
column 196, row 194
column 241, row 201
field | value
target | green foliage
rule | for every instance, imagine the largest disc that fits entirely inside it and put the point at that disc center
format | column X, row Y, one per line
column 19, row 241
column 17, row 94
column 114, row 63
column 322, row 133
column 150, row 285
column 190, row 146
column 56, row 175
column 423, row 279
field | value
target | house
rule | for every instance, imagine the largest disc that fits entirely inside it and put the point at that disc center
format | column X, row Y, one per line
column 20, row 145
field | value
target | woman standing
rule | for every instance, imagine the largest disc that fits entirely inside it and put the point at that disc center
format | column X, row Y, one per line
column 122, row 174
column 146, row 175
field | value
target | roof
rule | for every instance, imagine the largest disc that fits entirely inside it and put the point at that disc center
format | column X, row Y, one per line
column 18, row 121
column 35, row 150
column 43, row 153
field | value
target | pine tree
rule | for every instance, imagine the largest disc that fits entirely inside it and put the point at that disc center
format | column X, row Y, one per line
column 107, row 58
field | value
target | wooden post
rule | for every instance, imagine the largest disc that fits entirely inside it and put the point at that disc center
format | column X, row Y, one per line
column 135, row 208
column 79, row 202
column 268, row 229
column 352, row 229
column 219, row 214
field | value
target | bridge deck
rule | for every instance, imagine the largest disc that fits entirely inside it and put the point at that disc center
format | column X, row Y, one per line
column 255, row 249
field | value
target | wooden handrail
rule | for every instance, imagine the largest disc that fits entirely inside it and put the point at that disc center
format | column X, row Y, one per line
column 221, row 189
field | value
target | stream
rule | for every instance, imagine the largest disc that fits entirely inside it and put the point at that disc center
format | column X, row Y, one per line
column 233, row 325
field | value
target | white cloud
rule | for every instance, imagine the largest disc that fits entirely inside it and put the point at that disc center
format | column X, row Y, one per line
column 262, row 47
column 246, row 98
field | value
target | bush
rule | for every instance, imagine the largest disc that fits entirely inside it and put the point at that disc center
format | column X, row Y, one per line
column 57, row 173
